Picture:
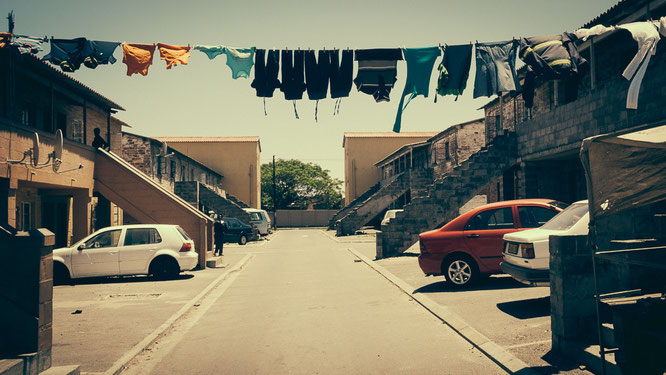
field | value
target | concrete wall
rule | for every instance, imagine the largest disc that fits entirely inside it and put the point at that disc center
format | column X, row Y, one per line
column 363, row 150
column 302, row 218
column 237, row 160
column 463, row 141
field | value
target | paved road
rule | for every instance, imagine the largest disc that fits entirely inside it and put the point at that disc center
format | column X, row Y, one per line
column 302, row 305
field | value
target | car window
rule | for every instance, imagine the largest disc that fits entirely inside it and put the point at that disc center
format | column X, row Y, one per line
column 534, row 216
column 142, row 236
column 107, row 239
column 255, row 216
column 183, row 233
column 233, row 223
column 567, row 218
column 499, row 218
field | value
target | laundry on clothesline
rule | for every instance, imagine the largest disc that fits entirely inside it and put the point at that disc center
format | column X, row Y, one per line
column 377, row 71
column 138, row 57
column 496, row 68
column 454, row 70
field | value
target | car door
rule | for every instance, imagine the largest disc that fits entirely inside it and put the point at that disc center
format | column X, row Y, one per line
column 139, row 246
column 233, row 232
column 483, row 235
column 98, row 256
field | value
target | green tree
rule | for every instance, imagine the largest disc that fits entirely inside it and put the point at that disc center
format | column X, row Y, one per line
column 299, row 184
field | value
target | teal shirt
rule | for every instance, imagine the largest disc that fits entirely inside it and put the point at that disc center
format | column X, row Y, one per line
column 420, row 63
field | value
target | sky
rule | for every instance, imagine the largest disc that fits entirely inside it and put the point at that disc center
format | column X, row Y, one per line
column 202, row 99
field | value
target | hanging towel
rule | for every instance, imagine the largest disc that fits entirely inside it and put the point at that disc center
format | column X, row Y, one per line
column 5, row 39
column 341, row 73
column 317, row 72
column 138, row 57
column 266, row 69
column 584, row 34
column 67, row 53
column 549, row 57
column 496, row 68
column 293, row 74
column 210, row 51
column 240, row 61
column 454, row 70
column 97, row 52
column 420, row 62
column 174, row 55
column 646, row 34
column 377, row 71
column 27, row 44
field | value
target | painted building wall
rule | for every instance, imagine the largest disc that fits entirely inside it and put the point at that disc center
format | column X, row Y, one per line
column 235, row 158
column 363, row 150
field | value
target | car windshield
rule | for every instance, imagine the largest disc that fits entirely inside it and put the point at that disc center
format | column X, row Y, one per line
column 255, row 216
column 567, row 218
column 559, row 204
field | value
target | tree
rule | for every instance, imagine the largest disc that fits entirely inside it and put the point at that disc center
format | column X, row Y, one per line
column 298, row 185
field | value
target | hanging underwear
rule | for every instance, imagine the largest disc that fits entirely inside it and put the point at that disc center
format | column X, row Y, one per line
column 210, row 51
column 646, row 34
column 550, row 57
column 420, row 62
column 266, row 68
column 496, row 68
column 341, row 76
column 377, row 71
column 138, row 57
column 174, row 55
column 239, row 60
column 293, row 76
column 454, row 70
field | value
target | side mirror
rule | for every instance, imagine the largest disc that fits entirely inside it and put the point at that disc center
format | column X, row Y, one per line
column 81, row 247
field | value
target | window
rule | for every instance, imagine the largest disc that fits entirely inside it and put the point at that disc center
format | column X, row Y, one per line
column 533, row 216
column 106, row 239
column 498, row 123
column 233, row 223
column 77, row 130
column 500, row 218
column 255, row 216
column 172, row 170
column 61, row 123
column 142, row 236
column 159, row 166
column 26, row 216
column 183, row 233
column 446, row 151
column 182, row 173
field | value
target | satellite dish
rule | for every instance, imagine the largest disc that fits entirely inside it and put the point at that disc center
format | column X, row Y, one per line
column 57, row 152
column 164, row 148
column 35, row 149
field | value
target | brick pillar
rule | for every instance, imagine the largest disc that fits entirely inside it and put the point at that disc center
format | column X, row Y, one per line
column 572, row 304
column 81, row 214
column 26, row 297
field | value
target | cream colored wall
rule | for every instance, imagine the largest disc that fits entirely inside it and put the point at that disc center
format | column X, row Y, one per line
column 361, row 154
column 238, row 162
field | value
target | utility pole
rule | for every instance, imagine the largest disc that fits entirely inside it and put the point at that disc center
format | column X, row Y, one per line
column 274, row 197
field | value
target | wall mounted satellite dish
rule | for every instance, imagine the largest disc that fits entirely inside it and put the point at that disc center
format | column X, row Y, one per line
column 57, row 152
column 35, row 149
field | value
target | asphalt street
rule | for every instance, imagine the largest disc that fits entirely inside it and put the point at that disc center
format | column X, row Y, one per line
column 303, row 304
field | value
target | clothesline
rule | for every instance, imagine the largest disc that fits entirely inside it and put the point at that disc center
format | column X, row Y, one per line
column 550, row 57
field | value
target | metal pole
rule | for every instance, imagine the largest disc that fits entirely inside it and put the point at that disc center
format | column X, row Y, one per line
column 274, row 197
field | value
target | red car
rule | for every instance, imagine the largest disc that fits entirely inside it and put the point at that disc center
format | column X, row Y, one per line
column 471, row 244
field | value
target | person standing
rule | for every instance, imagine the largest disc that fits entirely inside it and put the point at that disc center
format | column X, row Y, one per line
column 98, row 141
column 220, row 227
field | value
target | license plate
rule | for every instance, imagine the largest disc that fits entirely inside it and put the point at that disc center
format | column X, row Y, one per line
column 512, row 248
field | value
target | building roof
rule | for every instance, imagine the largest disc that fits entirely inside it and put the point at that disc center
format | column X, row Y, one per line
column 385, row 135
column 619, row 11
column 122, row 123
column 402, row 150
column 67, row 80
column 455, row 127
column 245, row 139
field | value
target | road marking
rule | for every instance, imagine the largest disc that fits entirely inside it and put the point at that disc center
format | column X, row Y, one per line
column 121, row 364
column 507, row 361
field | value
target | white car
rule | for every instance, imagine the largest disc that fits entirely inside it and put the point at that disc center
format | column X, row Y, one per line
column 161, row 250
column 260, row 219
column 526, row 253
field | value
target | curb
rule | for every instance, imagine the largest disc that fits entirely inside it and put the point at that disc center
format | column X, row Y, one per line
column 496, row 353
column 120, row 364
column 334, row 238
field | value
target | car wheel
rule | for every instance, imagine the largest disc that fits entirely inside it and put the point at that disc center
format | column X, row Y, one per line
column 60, row 274
column 460, row 271
column 242, row 240
column 164, row 268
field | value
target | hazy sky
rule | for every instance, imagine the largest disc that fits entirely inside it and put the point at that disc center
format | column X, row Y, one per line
column 201, row 99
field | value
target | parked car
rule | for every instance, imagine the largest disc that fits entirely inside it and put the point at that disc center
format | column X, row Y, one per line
column 471, row 244
column 390, row 214
column 526, row 254
column 260, row 219
column 238, row 231
column 160, row 250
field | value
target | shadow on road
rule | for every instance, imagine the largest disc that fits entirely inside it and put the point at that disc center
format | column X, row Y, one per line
column 487, row 283
column 119, row 280
column 557, row 365
column 526, row 308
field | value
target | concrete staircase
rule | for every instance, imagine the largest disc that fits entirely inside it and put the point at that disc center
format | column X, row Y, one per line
column 355, row 203
column 445, row 197
column 197, row 193
column 390, row 190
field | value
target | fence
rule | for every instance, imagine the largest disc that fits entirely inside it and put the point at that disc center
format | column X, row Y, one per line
column 303, row 218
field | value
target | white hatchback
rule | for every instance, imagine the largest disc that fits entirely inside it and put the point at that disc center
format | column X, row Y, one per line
column 161, row 250
column 526, row 254
column 260, row 219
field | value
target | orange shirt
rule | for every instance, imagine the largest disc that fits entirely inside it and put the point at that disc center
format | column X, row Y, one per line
column 138, row 57
column 174, row 55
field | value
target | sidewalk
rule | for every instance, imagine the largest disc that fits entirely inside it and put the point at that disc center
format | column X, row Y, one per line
column 513, row 316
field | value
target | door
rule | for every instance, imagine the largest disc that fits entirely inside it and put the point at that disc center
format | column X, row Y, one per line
column 234, row 230
column 98, row 255
column 139, row 246
column 483, row 235
column 55, row 213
